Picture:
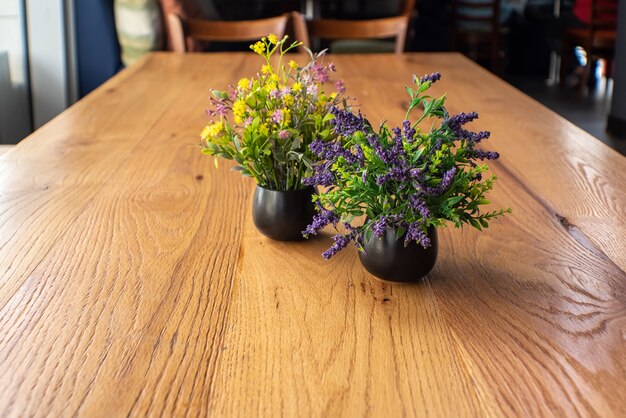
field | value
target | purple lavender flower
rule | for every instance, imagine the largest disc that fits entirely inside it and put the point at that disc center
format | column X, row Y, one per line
column 346, row 123
column 341, row 242
column 364, row 176
column 485, row 155
column 409, row 132
column 321, row 176
column 445, row 184
column 320, row 221
column 433, row 78
column 416, row 173
column 415, row 232
column 374, row 141
column 395, row 174
column 275, row 94
column 475, row 137
column 332, row 150
column 419, row 204
column 379, row 227
column 358, row 153
column 456, row 122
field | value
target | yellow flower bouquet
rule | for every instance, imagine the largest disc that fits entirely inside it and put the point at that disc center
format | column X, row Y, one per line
column 266, row 122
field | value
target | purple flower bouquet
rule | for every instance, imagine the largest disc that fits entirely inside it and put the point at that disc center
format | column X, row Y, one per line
column 403, row 180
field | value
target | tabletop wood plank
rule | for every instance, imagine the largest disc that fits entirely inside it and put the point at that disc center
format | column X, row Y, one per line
column 133, row 282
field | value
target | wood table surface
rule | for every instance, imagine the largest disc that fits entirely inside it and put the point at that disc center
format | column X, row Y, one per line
column 133, row 281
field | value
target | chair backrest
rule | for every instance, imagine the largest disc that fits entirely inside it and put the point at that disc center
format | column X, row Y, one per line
column 222, row 31
column 475, row 15
column 603, row 15
column 333, row 29
column 407, row 7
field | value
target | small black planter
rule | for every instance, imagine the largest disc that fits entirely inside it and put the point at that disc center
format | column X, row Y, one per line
column 388, row 258
column 283, row 215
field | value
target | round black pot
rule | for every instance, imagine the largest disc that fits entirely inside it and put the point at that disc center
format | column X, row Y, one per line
column 283, row 215
column 388, row 259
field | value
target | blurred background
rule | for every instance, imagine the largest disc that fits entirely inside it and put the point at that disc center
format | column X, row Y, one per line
column 568, row 54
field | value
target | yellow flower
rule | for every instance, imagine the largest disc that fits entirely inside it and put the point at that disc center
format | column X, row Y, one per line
column 293, row 64
column 286, row 116
column 333, row 95
column 264, row 129
column 239, row 108
column 243, row 83
column 274, row 77
column 297, row 86
column 258, row 47
column 266, row 69
column 272, row 38
column 288, row 100
column 212, row 130
column 238, row 120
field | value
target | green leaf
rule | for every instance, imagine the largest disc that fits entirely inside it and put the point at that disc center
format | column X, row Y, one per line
column 295, row 144
column 475, row 224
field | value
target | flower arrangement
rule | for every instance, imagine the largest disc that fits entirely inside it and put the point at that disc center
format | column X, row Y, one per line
column 266, row 123
column 405, row 179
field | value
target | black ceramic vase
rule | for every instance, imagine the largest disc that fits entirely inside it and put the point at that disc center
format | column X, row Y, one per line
column 283, row 215
column 388, row 259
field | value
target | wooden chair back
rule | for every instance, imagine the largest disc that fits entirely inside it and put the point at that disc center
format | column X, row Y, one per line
column 479, row 14
column 182, row 29
column 598, row 40
column 476, row 25
column 333, row 29
column 603, row 15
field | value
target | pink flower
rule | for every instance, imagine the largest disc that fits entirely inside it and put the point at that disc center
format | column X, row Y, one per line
column 283, row 134
column 277, row 116
column 341, row 88
column 312, row 89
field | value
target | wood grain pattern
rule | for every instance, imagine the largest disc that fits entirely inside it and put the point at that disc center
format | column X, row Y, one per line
column 133, row 282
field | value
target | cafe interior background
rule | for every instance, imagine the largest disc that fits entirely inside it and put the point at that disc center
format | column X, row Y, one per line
column 54, row 52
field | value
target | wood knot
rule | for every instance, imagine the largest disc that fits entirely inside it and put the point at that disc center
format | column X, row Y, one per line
column 199, row 177
column 565, row 223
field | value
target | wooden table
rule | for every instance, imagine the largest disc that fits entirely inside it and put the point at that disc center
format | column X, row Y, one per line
column 133, row 282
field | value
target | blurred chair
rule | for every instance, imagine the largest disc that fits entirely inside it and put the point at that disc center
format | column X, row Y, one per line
column 357, row 36
column 476, row 29
column 182, row 29
column 598, row 40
